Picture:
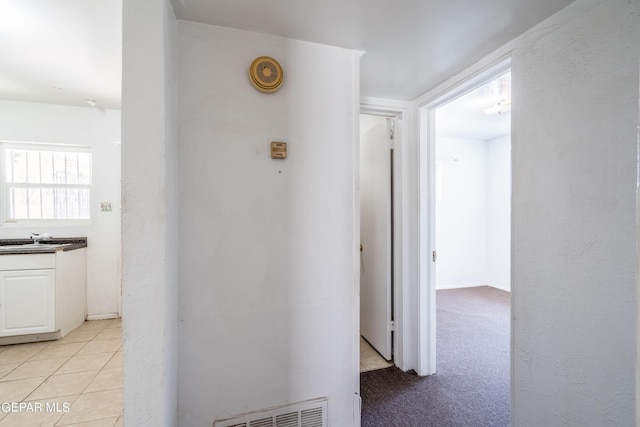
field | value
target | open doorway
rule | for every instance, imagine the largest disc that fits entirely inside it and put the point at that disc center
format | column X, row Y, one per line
column 376, row 237
column 428, row 107
column 473, row 188
column 472, row 240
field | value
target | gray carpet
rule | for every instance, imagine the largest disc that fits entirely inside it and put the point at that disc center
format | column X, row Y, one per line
column 471, row 385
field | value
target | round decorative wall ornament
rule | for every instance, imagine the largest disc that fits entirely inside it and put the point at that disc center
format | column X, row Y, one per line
column 266, row 74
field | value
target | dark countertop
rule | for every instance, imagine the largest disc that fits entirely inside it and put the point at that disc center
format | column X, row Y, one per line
column 45, row 247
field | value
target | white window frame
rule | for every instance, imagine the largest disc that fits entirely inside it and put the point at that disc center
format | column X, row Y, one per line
column 4, row 208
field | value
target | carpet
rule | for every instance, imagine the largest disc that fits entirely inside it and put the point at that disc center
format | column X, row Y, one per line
column 471, row 386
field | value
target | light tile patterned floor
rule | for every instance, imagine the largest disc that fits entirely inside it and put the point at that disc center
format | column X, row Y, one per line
column 75, row 381
column 370, row 359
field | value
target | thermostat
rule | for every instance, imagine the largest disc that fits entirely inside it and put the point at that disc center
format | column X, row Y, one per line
column 278, row 150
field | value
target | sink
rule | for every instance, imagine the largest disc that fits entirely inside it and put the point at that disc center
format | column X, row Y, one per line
column 31, row 246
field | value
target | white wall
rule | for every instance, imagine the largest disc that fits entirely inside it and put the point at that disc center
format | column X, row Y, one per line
column 99, row 129
column 267, row 247
column 461, row 213
column 499, row 212
column 150, row 214
column 473, row 212
column 575, row 135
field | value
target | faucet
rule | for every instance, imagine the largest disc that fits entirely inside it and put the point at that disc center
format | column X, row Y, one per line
column 36, row 237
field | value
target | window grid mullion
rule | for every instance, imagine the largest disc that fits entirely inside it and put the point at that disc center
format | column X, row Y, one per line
column 77, row 181
column 13, row 201
column 55, row 203
column 10, row 161
column 66, row 179
column 40, row 179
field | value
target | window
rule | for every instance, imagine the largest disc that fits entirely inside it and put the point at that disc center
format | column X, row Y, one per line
column 46, row 182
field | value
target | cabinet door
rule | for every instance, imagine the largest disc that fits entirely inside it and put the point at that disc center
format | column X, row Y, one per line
column 27, row 302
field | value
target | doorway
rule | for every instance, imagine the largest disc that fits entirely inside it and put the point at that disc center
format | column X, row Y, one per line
column 433, row 169
column 376, row 241
column 472, row 188
column 473, row 243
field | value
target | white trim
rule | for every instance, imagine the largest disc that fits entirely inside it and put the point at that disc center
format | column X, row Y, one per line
column 355, row 363
column 460, row 286
column 44, row 146
column 426, row 311
column 388, row 107
column 402, row 112
column 469, row 79
column 461, row 84
column 102, row 316
column 52, row 223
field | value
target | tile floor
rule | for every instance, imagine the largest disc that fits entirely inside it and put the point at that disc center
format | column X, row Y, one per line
column 75, row 381
column 370, row 359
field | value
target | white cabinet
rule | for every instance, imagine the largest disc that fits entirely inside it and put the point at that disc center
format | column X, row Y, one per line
column 42, row 294
column 27, row 302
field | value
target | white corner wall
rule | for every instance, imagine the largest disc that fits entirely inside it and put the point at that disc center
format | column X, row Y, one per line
column 150, row 214
column 473, row 212
column 461, row 213
column 100, row 130
column 267, row 247
column 575, row 121
column 499, row 212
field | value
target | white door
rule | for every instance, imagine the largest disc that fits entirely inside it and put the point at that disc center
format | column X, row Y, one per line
column 375, row 231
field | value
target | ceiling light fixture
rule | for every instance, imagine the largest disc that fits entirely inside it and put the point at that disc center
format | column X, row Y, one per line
column 91, row 101
column 502, row 106
column 500, row 91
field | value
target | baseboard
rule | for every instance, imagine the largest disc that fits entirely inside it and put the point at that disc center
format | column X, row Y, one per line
column 459, row 286
column 470, row 285
column 21, row 339
column 102, row 316
column 506, row 289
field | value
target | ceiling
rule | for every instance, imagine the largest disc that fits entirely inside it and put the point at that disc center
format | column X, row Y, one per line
column 61, row 51
column 411, row 45
column 67, row 51
column 465, row 117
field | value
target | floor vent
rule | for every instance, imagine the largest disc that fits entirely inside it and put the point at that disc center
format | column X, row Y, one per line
column 310, row 413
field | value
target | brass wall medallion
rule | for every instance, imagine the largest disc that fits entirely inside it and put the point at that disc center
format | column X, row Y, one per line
column 266, row 74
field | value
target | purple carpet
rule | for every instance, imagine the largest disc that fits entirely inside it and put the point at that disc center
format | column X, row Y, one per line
column 472, row 382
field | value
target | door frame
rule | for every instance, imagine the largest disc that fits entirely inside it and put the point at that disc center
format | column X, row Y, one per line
column 402, row 112
column 426, row 108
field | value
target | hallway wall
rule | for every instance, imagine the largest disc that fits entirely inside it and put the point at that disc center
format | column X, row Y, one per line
column 575, row 134
column 149, row 214
column 267, row 247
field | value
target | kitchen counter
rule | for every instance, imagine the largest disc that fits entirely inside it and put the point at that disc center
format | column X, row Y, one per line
column 42, row 288
column 45, row 246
